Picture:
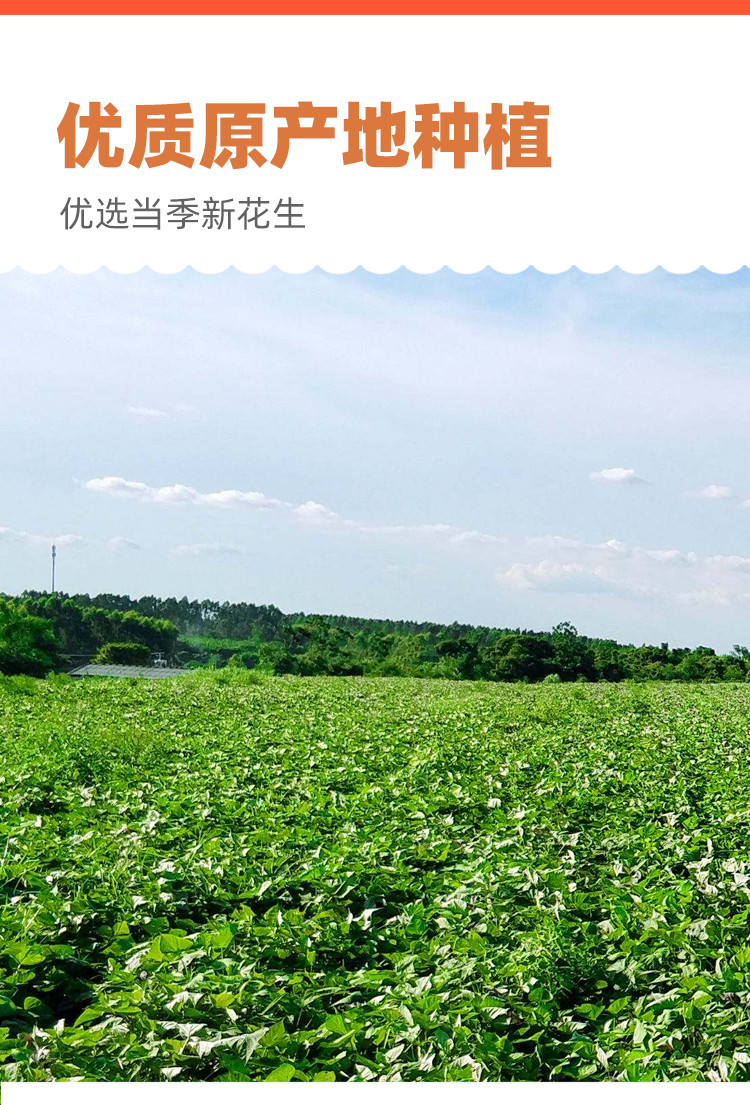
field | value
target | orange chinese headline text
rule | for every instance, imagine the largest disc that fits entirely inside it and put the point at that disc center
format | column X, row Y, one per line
column 512, row 137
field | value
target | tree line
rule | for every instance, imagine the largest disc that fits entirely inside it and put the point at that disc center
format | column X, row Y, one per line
column 317, row 646
column 118, row 628
column 42, row 632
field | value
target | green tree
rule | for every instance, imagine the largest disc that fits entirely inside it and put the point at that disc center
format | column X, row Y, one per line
column 275, row 657
column 27, row 643
column 702, row 664
column 572, row 654
column 462, row 656
column 519, row 657
column 407, row 656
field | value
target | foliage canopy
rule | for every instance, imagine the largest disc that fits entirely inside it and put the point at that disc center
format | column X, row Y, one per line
column 243, row 878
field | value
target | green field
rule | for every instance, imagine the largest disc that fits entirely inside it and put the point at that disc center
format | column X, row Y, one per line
column 216, row 878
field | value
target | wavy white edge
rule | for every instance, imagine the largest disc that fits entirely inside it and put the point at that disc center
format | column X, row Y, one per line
column 552, row 270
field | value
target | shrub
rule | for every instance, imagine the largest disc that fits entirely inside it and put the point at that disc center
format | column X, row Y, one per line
column 123, row 652
column 18, row 685
column 232, row 675
column 27, row 643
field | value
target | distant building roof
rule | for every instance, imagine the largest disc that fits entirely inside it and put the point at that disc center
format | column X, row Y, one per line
column 126, row 671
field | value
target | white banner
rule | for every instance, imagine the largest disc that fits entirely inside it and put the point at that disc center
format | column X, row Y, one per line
column 646, row 142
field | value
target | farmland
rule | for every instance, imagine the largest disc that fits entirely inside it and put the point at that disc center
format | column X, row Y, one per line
column 228, row 877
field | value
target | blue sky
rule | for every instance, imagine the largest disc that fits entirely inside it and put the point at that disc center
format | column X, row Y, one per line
column 506, row 450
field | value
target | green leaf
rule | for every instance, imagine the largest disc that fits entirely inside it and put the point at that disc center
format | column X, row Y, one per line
column 284, row 1073
column 27, row 955
column 223, row 938
column 276, row 1034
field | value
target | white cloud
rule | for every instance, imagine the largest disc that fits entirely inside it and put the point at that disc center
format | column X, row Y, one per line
column 668, row 576
column 120, row 488
column 309, row 513
column 65, row 540
column 178, row 494
column 575, row 578
column 555, row 541
column 210, row 548
column 226, row 499
column 315, row 514
column 546, row 563
column 453, row 535
column 476, row 537
column 617, row 475
column 712, row 491
column 668, row 556
column 733, row 563
column 62, row 541
column 121, row 544
column 542, row 575
column 147, row 412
